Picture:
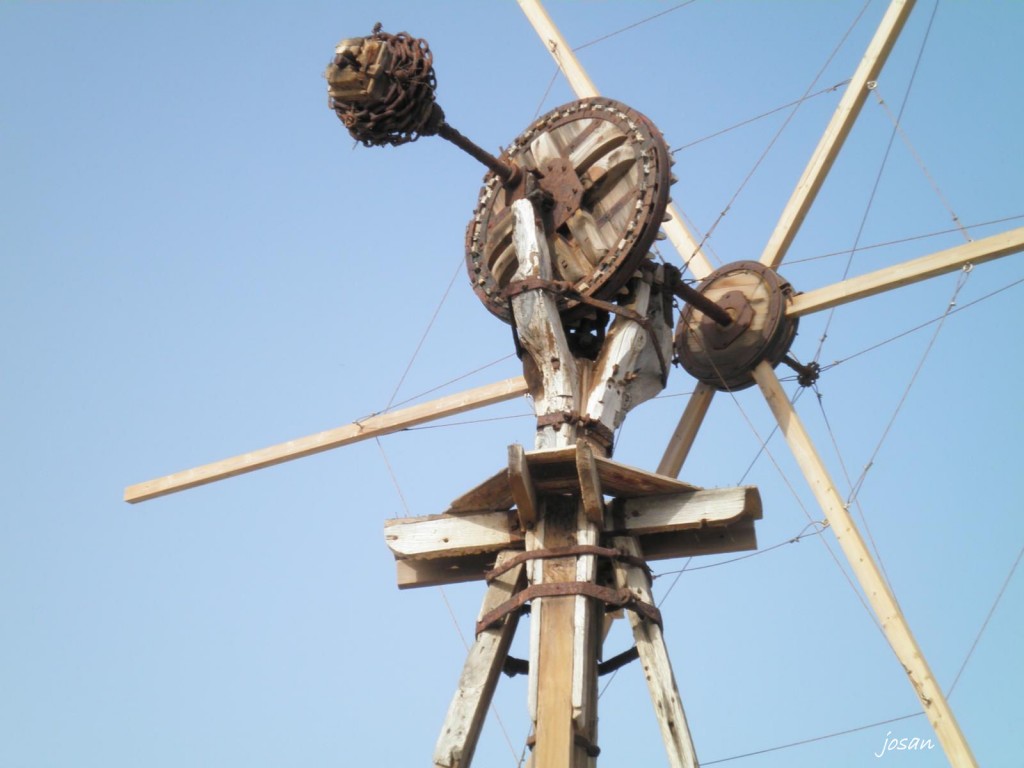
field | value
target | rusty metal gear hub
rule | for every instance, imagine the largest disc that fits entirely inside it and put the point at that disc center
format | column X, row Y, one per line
column 602, row 172
column 723, row 356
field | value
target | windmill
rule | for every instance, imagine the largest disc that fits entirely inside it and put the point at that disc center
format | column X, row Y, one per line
column 952, row 260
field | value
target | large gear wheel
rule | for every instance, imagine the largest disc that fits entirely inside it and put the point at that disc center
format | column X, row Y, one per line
column 603, row 169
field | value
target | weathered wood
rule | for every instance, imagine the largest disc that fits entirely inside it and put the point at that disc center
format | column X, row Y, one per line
column 372, row 426
column 623, row 480
column 891, row 619
column 661, row 682
column 684, row 242
column 449, row 536
column 522, row 487
column 493, row 493
column 556, row 663
column 835, row 134
column 683, row 511
column 739, row 536
column 685, row 433
column 540, row 331
column 410, row 574
column 623, row 375
column 468, row 708
column 915, row 270
column 591, row 493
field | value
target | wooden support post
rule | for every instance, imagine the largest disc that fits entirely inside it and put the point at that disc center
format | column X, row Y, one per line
column 882, row 601
column 466, row 713
column 563, row 660
column 650, row 644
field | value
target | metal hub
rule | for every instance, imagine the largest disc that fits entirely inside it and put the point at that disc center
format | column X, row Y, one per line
column 723, row 356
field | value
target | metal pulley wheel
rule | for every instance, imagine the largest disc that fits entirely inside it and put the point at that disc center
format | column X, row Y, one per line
column 723, row 356
column 602, row 170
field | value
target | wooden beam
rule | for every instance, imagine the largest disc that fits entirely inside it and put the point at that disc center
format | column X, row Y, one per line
column 835, row 134
column 739, row 536
column 521, row 484
column 882, row 601
column 451, row 535
column 684, row 511
column 681, row 442
column 448, row 536
column 908, row 272
column 661, row 681
column 468, row 709
column 591, row 493
column 684, row 242
column 373, row 426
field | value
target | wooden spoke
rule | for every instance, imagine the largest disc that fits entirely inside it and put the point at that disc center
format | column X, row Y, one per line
column 913, row 271
column 374, row 426
column 681, row 442
column 835, row 134
column 882, row 601
column 681, row 238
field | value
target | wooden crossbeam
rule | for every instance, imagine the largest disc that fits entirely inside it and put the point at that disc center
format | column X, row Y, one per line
column 913, row 271
column 452, row 536
column 374, row 426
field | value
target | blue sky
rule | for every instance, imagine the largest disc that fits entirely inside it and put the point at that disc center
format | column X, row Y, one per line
column 196, row 262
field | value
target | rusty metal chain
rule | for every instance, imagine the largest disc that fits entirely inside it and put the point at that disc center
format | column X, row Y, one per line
column 407, row 110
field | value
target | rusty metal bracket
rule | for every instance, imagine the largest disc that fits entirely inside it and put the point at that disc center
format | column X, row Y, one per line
column 594, row 428
column 612, row 599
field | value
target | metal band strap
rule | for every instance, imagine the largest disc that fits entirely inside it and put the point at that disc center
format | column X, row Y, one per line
column 601, row 433
column 567, row 289
column 612, row 599
column 578, row 549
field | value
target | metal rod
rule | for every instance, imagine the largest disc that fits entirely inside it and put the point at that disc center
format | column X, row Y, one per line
column 698, row 300
column 508, row 173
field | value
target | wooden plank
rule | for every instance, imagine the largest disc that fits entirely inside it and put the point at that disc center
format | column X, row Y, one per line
column 554, row 664
column 684, row 242
column 836, row 132
column 522, row 487
column 373, row 426
column 451, row 535
column 623, row 480
column 442, row 570
column 736, row 537
column 591, row 494
column 468, row 709
column 661, row 681
column 493, row 493
column 891, row 619
column 739, row 536
column 446, row 537
column 908, row 272
column 555, row 471
column 681, row 442
column 685, row 511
